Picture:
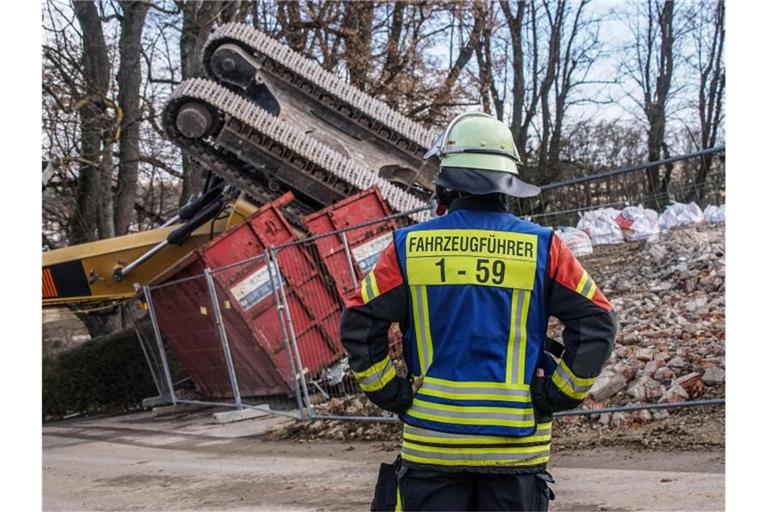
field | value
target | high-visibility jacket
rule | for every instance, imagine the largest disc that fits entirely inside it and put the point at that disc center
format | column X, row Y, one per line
column 473, row 291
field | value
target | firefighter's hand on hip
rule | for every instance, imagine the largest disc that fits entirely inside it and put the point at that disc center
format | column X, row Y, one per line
column 417, row 382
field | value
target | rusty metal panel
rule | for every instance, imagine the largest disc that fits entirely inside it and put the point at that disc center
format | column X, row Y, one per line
column 365, row 243
column 246, row 296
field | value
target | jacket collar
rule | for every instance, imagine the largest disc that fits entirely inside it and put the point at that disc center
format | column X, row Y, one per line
column 492, row 203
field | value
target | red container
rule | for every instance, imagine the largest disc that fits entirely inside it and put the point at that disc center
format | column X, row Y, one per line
column 365, row 243
column 251, row 320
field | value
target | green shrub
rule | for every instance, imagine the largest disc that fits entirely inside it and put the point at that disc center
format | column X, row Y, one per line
column 107, row 374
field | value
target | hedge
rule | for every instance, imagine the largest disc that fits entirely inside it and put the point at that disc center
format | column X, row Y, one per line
column 107, row 374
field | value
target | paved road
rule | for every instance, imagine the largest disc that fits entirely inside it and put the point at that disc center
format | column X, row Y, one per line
column 139, row 462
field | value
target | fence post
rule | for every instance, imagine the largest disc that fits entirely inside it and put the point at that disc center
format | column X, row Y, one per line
column 283, row 330
column 348, row 254
column 159, row 340
column 223, row 336
column 145, row 348
column 291, row 331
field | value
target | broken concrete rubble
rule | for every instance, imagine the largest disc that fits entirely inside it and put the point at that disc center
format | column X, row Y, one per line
column 713, row 376
column 676, row 393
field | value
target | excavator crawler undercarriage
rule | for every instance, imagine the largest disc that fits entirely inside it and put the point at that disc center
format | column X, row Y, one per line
column 270, row 119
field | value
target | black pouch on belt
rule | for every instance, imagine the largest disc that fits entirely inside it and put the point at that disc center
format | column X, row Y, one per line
column 385, row 494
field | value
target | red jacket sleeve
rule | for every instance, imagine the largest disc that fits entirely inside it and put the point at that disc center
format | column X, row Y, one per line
column 383, row 277
column 566, row 270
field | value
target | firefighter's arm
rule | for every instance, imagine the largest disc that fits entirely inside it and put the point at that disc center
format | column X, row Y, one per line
column 380, row 300
column 588, row 336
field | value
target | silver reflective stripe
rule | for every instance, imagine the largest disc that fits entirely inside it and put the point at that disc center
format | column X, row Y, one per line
column 587, row 286
column 422, row 329
column 516, row 363
column 476, row 456
column 579, row 388
column 369, row 288
column 512, row 415
column 417, row 431
column 475, row 390
column 375, row 377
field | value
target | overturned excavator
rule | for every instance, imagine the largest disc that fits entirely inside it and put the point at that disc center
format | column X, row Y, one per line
column 269, row 120
column 266, row 121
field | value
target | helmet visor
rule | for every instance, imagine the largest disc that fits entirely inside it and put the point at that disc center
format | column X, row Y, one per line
column 436, row 146
column 477, row 181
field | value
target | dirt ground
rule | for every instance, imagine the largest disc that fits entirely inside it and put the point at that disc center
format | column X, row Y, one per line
column 187, row 462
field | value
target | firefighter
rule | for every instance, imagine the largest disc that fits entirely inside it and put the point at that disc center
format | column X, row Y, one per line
column 472, row 290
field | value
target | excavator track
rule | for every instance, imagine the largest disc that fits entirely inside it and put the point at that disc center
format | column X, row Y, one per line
column 282, row 60
column 298, row 90
column 212, row 121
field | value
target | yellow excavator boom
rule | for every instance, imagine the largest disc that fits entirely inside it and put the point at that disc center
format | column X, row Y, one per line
column 84, row 273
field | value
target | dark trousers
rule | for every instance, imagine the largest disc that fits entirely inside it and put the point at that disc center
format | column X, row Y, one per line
column 425, row 489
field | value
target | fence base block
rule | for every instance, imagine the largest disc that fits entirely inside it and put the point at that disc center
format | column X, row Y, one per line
column 242, row 415
column 155, row 401
column 167, row 410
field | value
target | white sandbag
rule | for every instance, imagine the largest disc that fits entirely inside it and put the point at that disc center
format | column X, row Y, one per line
column 601, row 226
column 714, row 214
column 638, row 223
column 576, row 240
column 679, row 214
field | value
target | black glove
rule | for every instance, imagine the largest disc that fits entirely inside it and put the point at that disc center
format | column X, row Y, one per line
column 542, row 410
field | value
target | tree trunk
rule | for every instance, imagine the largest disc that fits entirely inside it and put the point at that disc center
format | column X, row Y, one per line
column 656, row 108
column 198, row 19
column 128, row 100
column 289, row 17
column 358, row 26
column 94, row 122
column 515, row 25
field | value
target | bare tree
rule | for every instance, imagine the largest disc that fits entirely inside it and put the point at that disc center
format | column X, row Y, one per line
column 357, row 28
column 441, row 97
column 708, row 26
column 655, row 49
column 129, row 80
column 515, row 26
column 92, row 217
column 198, row 19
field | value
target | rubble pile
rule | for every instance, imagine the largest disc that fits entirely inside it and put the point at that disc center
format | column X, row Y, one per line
column 669, row 297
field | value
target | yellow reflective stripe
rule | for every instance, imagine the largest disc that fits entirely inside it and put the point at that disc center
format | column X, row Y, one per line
column 543, row 434
column 475, row 391
column 579, row 381
column 421, row 326
column 558, row 381
column 379, row 383
column 369, row 288
column 374, row 284
column 473, row 384
column 567, row 382
column 582, row 282
column 509, row 411
column 472, row 415
column 591, row 292
column 473, row 396
column 518, row 336
column 483, row 449
column 515, row 304
column 480, row 440
column 364, row 291
column 376, row 368
column 469, row 462
column 398, row 502
column 523, row 338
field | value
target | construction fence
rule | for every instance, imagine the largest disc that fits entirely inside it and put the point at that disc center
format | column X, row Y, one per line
column 262, row 332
